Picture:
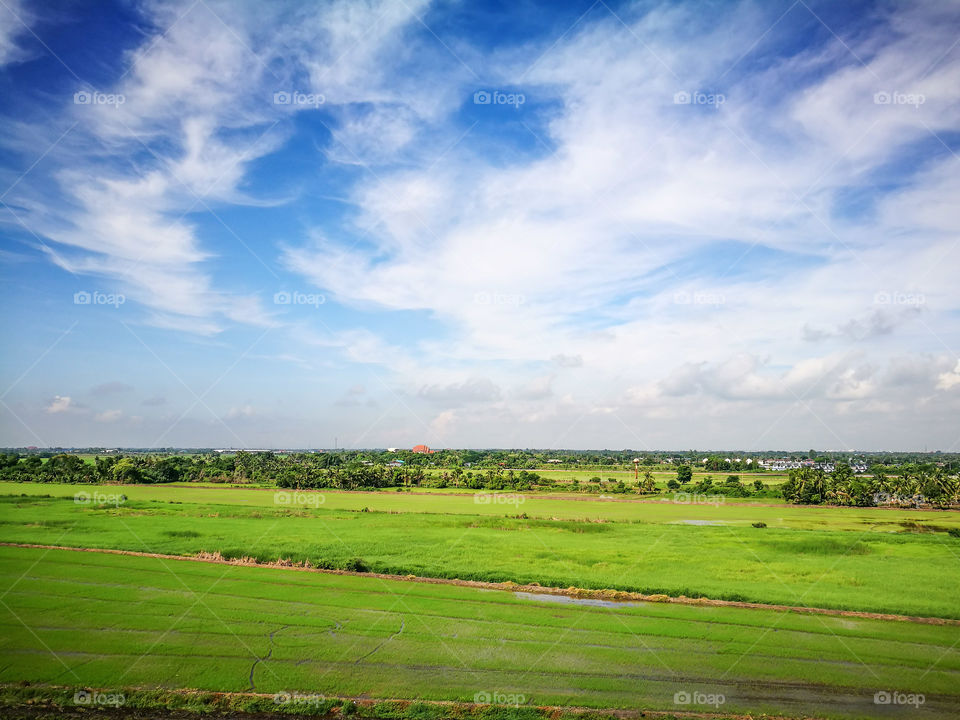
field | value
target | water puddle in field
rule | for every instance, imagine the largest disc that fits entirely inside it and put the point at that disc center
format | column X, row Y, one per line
column 567, row 600
column 698, row 522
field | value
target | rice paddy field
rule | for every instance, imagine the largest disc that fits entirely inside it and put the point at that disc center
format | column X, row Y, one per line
column 671, row 508
column 124, row 623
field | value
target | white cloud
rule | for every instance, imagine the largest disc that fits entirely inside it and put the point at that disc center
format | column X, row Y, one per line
column 15, row 19
column 60, row 404
column 242, row 412
column 108, row 416
column 567, row 361
column 538, row 388
column 949, row 379
column 443, row 424
column 457, row 394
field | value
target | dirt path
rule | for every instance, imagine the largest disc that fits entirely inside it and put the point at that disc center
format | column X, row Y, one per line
column 40, row 709
column 155, row 704
column 572, row 592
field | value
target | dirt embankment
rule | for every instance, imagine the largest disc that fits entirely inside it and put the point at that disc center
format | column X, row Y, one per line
column 51, row 701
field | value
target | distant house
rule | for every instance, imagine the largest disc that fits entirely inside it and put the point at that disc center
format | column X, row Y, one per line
column 779, row 464
column 422, row 449
column 554, row 461
column 395, row 463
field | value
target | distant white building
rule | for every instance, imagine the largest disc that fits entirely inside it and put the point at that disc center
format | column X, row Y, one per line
column 779, row 465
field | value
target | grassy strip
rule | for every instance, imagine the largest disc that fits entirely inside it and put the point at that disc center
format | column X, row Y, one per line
column 604, row 595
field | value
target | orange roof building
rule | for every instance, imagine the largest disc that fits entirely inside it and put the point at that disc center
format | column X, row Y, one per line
column 422, row 449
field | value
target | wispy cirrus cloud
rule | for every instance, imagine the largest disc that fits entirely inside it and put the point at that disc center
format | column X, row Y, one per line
column 175, row 135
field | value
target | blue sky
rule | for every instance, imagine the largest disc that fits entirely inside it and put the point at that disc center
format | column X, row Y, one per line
column 525, row 224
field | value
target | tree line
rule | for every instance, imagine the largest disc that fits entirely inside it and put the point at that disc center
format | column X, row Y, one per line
column 300, row 470
column 533, row 459
column 929, row 484
column 912, row 484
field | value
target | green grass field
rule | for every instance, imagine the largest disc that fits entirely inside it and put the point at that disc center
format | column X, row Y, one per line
column 567, row 507
column 863, row 562
column 120, row 622
column 111, row 622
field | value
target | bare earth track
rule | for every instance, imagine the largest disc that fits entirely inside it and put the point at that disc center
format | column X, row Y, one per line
column 366, row 707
